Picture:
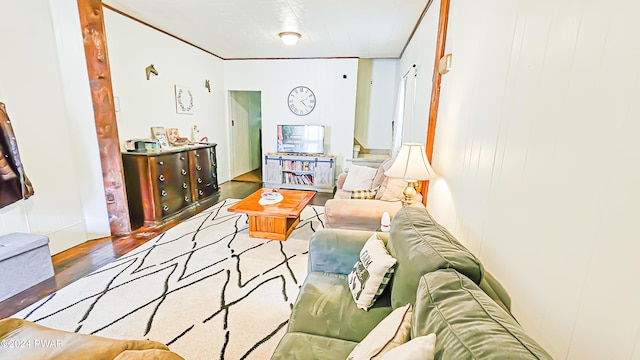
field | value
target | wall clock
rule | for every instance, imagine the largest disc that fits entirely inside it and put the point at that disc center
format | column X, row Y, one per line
column 301, row 100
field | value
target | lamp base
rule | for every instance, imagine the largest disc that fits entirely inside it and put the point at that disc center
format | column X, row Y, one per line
column 409, row 194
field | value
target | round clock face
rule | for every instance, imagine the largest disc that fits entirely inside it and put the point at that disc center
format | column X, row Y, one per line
column 302, row 100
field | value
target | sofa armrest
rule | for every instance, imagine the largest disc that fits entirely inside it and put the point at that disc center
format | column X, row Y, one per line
column 357, row 214
column 496, row 291
column 340, row 181
column 336, row 251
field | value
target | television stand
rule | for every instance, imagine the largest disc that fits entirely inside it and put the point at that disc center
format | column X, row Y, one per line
column 299, row 172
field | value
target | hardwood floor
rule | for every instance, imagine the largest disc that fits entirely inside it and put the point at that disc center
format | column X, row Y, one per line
column 72, row 264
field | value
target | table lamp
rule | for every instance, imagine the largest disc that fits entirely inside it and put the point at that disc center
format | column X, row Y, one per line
column 411, row 165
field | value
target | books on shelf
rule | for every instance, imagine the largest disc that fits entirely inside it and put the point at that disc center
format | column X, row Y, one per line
column 297, row 165
column 293, row 179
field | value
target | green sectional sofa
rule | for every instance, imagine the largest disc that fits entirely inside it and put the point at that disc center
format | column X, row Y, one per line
column 451, row 293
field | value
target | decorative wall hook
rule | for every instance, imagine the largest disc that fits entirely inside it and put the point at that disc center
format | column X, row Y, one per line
column 207, row 85
column 151, row 70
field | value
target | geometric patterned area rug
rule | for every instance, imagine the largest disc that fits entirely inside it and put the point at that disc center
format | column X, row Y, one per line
column 203, row 287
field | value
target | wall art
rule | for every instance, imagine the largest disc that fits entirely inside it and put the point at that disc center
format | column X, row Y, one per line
column 184, row 100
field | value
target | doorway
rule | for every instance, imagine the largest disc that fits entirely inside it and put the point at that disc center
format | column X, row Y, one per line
column 246, row 135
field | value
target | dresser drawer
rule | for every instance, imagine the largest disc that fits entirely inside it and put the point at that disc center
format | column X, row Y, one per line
column 170, row 206
column 207, row 190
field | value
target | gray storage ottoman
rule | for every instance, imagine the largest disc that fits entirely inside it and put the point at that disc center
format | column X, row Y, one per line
column 25, row 261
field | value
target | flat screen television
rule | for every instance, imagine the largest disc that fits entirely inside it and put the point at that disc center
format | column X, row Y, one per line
column 301, row 139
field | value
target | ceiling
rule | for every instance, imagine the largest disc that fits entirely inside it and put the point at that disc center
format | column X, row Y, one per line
column 241, row 29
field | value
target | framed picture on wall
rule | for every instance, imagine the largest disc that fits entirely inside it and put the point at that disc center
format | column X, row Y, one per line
column 184, row 100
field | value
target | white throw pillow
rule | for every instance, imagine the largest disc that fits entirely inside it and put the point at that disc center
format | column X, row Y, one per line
column 371, row 273
column 359, row 178
column 420, row 348
column 393, row 331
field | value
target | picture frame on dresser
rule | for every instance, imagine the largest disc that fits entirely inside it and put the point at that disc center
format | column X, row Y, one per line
column 159, row 133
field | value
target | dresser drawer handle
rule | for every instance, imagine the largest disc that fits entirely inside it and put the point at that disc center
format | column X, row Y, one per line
column 198, row 167
column 184, row 172
column 199, row 181
column 163, row 192
column 186, row 198
column 165, row 208
column 184, row 185
column 200, row 192
column 181, row 157
column 161, row 177
column 197, row 155
column 161, row 162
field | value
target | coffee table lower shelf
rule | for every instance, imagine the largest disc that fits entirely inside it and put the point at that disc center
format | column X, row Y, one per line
column 273, row 228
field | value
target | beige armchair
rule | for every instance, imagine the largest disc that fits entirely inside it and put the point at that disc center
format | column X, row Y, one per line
column 342, row 212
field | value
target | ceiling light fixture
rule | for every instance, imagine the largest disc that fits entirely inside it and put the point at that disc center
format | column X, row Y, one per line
column 289, row 37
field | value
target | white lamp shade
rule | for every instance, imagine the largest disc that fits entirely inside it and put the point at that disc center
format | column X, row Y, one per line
column 411, row 164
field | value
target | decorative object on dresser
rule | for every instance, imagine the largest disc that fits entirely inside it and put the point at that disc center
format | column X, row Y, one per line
column 161, row 185
column 301, row 172
column 159, row 133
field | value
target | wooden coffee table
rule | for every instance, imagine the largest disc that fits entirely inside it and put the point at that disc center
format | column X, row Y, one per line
column 275, row 221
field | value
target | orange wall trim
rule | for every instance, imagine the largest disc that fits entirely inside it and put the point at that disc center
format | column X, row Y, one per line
column 95, row 49
column 435, row 89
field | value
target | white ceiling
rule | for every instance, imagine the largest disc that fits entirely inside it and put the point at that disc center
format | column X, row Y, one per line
column 237, row 29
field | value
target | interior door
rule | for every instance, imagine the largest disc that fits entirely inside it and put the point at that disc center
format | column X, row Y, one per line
column 240, row 134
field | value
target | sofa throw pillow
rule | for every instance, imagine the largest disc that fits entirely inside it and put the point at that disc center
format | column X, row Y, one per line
column 393, row 331
column 420, row 348
column 364, row 194
column 359, row 178
column 393, row 190
column 371, row 273
column 380, row 176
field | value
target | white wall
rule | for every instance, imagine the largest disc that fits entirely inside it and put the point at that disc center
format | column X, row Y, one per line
column 421, row 53
column 45, row 123
column 336, row 97
column 375, row 102
column 537, row 148
column 146, row 103
column 77, row 95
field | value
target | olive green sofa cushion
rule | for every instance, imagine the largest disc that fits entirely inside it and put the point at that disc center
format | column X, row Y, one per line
column 300, row 346
column 421, row 245
column 325, row 307
column 468, row 324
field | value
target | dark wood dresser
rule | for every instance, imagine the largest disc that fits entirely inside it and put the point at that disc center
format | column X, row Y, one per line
column 161, row 185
